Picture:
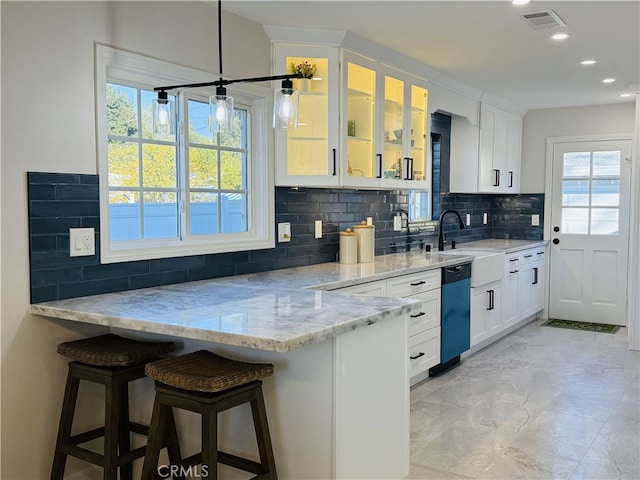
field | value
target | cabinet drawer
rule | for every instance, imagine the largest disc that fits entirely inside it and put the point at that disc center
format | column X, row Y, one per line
column 374, row 289
column 512, row 260
column 424, row 351
column 408, row 285
column 428, row 316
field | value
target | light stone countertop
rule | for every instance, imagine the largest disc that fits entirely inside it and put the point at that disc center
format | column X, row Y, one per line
column 503, row 245
column 279, row 311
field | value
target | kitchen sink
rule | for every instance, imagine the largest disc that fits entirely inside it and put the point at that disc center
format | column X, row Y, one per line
column 487, row 265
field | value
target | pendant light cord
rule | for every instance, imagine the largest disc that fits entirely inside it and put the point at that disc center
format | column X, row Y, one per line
column 220, row 36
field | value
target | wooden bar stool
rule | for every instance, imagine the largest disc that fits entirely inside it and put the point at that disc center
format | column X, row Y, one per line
column 112, row 361
column 206, row 383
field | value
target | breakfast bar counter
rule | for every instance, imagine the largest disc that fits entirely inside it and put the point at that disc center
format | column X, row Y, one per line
column 339, row 400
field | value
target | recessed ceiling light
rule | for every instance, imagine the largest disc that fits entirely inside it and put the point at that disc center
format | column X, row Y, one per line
column 588, row 62
column 520, row 2
column 624, row 95
column 560, row 36
column 608, row 80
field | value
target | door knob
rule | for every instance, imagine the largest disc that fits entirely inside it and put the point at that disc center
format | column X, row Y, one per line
column 556, row 241
column 556, row 229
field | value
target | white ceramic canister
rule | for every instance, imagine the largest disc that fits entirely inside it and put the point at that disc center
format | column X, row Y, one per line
column 348, row 246
column 366, row 242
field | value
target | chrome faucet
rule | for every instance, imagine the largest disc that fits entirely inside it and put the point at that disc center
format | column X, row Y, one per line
column 441, row 234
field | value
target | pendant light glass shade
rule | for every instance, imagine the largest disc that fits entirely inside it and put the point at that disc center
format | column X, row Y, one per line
column 221, row 111
column 163, row 112
column 285, row 106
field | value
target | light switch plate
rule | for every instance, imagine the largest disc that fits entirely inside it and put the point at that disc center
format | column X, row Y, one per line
column 535, row 220
column 318, row 229
column 369, row 220
column 82, row 242
column 468, row 219
column 485, row 218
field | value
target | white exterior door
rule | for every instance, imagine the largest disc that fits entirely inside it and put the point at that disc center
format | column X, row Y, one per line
column 590, row 231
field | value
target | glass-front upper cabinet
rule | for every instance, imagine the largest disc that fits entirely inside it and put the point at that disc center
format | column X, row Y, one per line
column 387, row 127
column 309, row 154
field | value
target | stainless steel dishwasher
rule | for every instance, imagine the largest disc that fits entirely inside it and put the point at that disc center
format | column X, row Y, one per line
column 456, row 316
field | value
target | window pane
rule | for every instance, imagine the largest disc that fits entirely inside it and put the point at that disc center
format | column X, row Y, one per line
column 605, row 193
column 160, row 215
column 575, row 220
column 123, row 164
column 232, row 171
column 199, row 131
column 122, row 117
column 606, row 164
column 203, row 168
column 237, row 138
column 576, row 164
column 575, row 192
column 159, row 166
column 604, row 221
column 234, row 213
column 124, row 216
column 203, row 213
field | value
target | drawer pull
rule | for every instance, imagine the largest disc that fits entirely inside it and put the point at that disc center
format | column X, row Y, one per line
column 539, row 253
column 515, row 259
column 514, row 271
column 415, row 284
column 421, row 354
column 420, row 314
column 528, row 256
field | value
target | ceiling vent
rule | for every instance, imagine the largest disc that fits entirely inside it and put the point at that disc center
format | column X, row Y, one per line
column 545, row 19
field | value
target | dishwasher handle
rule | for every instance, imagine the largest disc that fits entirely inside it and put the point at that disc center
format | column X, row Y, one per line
column 456, row 273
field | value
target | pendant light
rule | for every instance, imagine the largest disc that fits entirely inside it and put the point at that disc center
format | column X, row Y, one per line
column 221, row 112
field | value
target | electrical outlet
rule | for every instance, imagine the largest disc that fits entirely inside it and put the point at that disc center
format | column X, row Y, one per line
column 397, row 223
column 318, row 229
column 485, row 218
column 369, row 220
column 468, row 219
column 82, row 242
column 284, row 232
column 535, row 220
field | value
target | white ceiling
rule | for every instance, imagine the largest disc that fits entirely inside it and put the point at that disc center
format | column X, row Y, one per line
column 486, row 44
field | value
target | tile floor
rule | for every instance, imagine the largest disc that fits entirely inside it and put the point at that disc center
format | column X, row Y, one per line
column 541, row 403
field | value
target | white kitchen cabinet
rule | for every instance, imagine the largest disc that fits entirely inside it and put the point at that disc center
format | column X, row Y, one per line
column 486, row 311
column 524, row 285
column 386, row 132
column 424, row 325
column 500, row 150
column 309, row 155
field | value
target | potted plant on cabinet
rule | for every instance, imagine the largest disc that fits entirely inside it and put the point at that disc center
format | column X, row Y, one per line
column 306, row 71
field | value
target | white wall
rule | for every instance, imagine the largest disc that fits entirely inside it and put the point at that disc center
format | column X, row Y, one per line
column 48, row 125
column 538, row 125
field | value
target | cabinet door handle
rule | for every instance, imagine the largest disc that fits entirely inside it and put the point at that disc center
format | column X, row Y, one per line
column 411, row 168
column 415, row 284
column 421, row 354
column 535, row 276
column 510, row 179
column 379, row 155
column 419, row 314
column 496, row 178
column 490, row 292
column 334, row 162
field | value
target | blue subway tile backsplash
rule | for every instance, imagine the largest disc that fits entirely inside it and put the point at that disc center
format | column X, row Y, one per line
column 59, row 201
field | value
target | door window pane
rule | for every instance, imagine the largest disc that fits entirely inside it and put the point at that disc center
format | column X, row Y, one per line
column 606, row 164
column 575, row 193
column 605, row 193
column 604, row 221
column 577, row 164
column 575, row 220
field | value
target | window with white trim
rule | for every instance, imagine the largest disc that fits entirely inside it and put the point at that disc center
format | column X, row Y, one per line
column 177, row 193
